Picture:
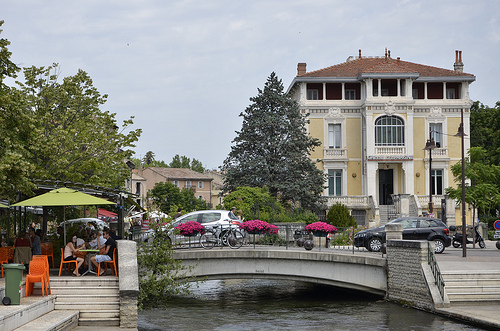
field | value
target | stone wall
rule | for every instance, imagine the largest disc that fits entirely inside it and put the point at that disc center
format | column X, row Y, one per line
column 406, row 279
column 129, row 282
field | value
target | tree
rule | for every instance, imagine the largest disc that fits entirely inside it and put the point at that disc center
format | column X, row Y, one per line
column 168, row 197
column 483, row 191
column 148, row 158
column 17, row 129
column 485, row 130
column 74, row 140
column 272, row 149
column 340, row 216
column 254, row 202
column 160, row 275
column 185, row 162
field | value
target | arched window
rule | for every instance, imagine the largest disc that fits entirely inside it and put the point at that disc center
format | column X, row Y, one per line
column 389, row 131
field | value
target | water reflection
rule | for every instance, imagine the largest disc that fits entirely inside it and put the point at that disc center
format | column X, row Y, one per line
column 286, row 305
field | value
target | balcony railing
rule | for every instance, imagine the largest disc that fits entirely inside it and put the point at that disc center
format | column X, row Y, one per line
column 334, row 153
column 350, row 201
column 390, row 150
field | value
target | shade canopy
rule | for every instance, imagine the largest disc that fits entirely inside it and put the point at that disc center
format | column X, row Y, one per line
column 3, row 206
column 63, row 197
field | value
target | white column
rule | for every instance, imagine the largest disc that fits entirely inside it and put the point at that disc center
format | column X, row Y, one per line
column 379, row 92
column 324, row 91
column 371, row 179
column 425, row 90
column 343, row 91
column 399, row 87
column 444, row 91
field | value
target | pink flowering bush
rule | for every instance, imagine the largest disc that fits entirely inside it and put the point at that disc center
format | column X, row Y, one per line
column 258, row 226
column 321, row 227
column 190, row 228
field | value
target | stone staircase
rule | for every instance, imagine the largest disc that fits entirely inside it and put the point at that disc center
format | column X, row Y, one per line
column 387, row 214
column 96, row 298
column 472, row 287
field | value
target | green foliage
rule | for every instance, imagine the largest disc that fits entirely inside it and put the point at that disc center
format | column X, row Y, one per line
column 254, row 202
column 160, row 276
column 272, row 149
column 340, row 216
column 485, row 130
column 185, row 162
column 167, row 197
column 344, row 236
column 271, row 239
column 483, row 192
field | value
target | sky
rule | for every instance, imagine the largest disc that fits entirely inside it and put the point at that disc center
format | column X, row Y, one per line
column 186, row 69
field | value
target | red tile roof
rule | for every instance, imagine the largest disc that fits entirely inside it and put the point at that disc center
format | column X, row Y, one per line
column 384, row 65
column 179, row 173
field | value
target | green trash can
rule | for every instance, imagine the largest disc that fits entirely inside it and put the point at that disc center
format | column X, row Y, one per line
column 13, row 282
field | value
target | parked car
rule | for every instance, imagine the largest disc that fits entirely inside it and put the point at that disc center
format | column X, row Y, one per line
column 414, row 228
column 207, row 218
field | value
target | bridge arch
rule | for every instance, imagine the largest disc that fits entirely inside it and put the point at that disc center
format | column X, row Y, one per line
column 358, row 272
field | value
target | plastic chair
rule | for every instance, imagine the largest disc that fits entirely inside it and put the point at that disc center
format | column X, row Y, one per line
column 45, row 260
column 36, row 275
column 112, row 263
column 47, row 249
column 68, row 263
column 4, row 257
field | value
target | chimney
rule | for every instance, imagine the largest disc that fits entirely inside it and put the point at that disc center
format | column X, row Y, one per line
column 301, row 68
column 458, row 65
column 360, row 53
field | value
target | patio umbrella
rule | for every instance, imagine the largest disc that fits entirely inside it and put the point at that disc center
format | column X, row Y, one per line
column 3, row 206
column 63, row 197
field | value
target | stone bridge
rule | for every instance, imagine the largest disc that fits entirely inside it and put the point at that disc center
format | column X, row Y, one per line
column 364, row 272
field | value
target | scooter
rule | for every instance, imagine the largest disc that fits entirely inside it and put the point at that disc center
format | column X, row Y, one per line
column 457, row 237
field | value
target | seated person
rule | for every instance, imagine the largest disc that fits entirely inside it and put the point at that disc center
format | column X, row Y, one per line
column 107, row 255
column 69, row 252
column 98, row 240
column 22, row 240
column 113, row 235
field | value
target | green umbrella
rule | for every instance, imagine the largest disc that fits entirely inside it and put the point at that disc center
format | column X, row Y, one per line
column 63, row 197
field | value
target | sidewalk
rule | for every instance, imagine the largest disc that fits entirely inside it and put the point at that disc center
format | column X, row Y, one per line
column 476, row 259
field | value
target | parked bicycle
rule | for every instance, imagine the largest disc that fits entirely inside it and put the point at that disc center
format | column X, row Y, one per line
column 222, row 235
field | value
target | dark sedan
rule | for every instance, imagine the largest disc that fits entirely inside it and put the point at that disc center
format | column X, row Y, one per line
column 414, row 228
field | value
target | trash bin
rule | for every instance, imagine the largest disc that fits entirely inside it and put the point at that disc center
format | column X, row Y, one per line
column 13, row 281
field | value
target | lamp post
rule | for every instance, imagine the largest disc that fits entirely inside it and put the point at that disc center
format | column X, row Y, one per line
column 430, row 145
column 461, row 134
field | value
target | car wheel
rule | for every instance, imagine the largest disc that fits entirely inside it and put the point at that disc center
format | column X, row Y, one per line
column 456, row 244
column 482, row 244
column 439, row 246
column 375, row 244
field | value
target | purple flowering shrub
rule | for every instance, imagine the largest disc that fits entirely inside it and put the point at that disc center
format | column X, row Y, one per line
column 321, row 227
column 190, row 228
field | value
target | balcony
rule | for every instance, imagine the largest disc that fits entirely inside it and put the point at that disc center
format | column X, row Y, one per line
column 351, row 201
column 334, row 153
column 390, row 150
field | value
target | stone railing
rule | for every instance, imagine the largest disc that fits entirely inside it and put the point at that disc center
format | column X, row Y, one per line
column 333, row 153
column 358, row 201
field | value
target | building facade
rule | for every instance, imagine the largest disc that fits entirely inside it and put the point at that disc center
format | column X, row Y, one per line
column 180, row 177
column 374, row 116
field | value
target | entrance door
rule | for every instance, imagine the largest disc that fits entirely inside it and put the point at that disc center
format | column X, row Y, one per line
column 386, row 186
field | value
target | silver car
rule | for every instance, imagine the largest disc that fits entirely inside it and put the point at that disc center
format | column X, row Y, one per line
column 207, row 218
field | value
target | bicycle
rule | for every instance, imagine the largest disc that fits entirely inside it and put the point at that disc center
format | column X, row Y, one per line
column 221, row 235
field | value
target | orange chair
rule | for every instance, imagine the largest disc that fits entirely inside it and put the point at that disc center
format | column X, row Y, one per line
column 36, row 275
column 68, row 263
column 112, row 263
column 47, row 249
column 4, row 257
column 45, row 260
column 10, row 253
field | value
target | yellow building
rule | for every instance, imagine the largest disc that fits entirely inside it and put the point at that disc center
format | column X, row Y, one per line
column 374, row 116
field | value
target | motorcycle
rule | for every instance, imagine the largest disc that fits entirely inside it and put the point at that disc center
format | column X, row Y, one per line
column 458, row 237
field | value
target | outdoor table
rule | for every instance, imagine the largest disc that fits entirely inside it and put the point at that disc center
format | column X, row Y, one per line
column 89, row 252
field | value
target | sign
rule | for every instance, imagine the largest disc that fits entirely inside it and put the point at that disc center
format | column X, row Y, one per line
column 496, row 225
column 496, row 235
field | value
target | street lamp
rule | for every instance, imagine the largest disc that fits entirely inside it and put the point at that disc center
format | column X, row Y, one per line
column 430, row 145
column 461, row 134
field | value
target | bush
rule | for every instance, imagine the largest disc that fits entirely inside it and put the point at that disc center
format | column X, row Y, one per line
column 345, row 236
column 340, row 216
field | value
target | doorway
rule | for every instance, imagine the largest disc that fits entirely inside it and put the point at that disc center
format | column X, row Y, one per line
column 386, row 186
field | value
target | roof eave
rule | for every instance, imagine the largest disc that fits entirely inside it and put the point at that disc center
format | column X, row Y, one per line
column 447, row 79
column 388, row 75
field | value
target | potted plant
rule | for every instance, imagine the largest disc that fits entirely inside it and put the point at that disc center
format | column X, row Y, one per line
column 190, row 228
column 320, row 229
column 256, row 227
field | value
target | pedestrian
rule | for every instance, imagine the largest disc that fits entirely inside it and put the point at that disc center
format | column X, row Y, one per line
column 107, row 255
column 179, row 213
column 36, row 244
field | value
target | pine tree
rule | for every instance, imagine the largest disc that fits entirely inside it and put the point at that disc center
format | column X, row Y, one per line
column 272, row 149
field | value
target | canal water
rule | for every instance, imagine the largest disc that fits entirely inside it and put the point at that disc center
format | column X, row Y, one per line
column 240, row 305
